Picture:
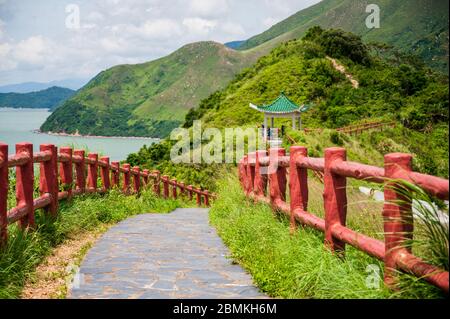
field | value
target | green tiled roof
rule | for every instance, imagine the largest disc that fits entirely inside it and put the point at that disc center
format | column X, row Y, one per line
column 281, row 105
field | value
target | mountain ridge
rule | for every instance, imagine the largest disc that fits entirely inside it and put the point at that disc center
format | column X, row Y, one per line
column 49, row 98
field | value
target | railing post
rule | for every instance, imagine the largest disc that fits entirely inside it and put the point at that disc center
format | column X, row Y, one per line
column 80, row 171
column 145, row 176
column 298, row 183
column 48, row 178
column 260, row 185
column 174, row 188
column 165, row 180
column 189, row 188
column 199, row 197
column 243, row 173
column 93, row 172
column 115, row 174
column 250, row 172
column 25, row 185
column 66, row 171
column 4, row 186
column 335, row 198
column 126, row 178
column 182, row 188
column 136, row 179
column 206, row 198
column 157, row 182
column 397, row 213
column 277, row 177
column 104, row 174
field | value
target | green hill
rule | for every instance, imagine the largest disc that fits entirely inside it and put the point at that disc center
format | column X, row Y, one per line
column 395, row 89
column 49, row 98
column 149, row 99
column 414, row 26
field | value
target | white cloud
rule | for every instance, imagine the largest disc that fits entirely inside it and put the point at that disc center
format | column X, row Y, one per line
column 35, row 44
column 208, row 8
column 269, row 22
column 33, row 50
column 6, row 63
column 199, row 26
column 234, row 29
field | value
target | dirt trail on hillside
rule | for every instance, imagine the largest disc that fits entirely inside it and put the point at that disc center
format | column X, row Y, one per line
column 341, row 68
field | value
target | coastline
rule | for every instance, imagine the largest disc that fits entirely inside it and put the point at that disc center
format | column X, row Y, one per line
column 156, row 139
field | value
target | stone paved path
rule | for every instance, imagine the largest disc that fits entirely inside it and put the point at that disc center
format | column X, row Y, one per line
column 175, row 255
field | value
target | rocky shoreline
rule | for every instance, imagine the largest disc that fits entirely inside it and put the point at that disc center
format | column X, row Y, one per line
column 96, row 136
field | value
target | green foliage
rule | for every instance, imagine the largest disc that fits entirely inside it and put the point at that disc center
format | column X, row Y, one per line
column 49, row 98
column 25, row 251
column 340, row 44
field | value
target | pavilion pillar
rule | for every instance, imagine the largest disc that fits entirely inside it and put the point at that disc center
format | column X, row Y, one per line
column 293, row 121
column 300, row 122
column 265, row 127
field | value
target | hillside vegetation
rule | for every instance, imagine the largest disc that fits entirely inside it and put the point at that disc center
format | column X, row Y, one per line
column 413, row 26
column 149, row 99
column 393, row 89
column 49, row 98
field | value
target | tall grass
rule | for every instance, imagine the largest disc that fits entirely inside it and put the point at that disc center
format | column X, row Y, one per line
column 298, row 266
column 25, row 250
column 432, row 223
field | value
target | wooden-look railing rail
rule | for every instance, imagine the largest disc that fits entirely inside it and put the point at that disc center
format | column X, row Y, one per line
column 69, row 173
column 359, row 128
column 264, row 178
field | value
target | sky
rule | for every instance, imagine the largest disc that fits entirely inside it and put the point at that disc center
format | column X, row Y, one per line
column 46, row 40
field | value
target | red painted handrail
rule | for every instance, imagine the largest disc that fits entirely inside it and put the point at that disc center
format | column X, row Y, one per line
column 75, row 174
column 270, row 187
column 358, row 128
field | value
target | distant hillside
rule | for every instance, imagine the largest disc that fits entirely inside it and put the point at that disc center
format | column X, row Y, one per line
column 418, row 26
column 149, row 99
column 28, row 87
column 234, row 44
column 50, row 98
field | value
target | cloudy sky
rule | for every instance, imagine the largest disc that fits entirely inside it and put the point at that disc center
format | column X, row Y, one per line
column 45, row 40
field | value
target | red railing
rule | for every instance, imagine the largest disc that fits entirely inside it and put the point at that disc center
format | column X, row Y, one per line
column 269, row 185
column 63, row 175
column 358, row 128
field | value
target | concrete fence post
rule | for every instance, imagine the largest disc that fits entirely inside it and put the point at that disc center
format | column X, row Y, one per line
column 174, row 188
column 115, row 174
column 397, row 213
column 92, row 172
column 145, row 176
column 80, row 171
column 66, row 171
column 25, row 185
column 48, row 178
column 335, row 198
column 250, row 172
column 277, row 177
column 157, row 183
column 298, row 183
column 104, row 173
column 165, row 180
column 260, row 184
column 136, row 179
column 4, row 184
column 189, row 188
column 126, row 178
